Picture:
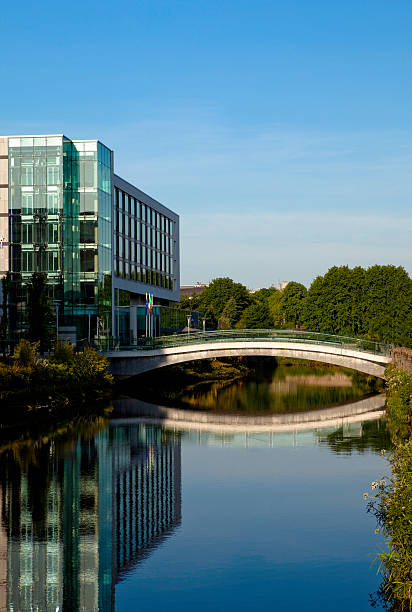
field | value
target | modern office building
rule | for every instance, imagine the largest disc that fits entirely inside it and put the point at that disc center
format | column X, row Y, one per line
column 102, row 242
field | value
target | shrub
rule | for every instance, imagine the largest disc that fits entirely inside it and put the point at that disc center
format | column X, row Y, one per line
column 91, row 366
column 63, row 353
column 25, row 352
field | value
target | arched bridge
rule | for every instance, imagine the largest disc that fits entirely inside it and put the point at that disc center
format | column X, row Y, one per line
column 362, row 355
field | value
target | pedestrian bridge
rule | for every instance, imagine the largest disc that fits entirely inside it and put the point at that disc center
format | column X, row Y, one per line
column 363, row 355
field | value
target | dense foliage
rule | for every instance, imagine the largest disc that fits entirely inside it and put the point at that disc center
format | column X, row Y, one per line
column 27, row 381
column 373, row 303
column 392, row 499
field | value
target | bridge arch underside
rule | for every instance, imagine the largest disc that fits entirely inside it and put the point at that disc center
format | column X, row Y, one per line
column 131, row 365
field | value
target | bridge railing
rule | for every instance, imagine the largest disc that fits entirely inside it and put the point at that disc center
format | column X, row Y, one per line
column 260, row 335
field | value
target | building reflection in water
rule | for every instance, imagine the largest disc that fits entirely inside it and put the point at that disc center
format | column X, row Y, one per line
column 76, row 518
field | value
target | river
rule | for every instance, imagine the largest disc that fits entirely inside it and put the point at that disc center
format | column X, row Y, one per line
column 162, row 513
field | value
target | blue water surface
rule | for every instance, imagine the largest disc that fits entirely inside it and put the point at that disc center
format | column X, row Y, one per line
column 264, row 528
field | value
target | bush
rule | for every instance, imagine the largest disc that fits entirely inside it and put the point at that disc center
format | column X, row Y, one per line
column 91, row 366
column 25, row 352
column 63, row 353
column 392, row 505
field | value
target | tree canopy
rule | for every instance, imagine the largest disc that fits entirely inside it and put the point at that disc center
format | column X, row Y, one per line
column 374, row 303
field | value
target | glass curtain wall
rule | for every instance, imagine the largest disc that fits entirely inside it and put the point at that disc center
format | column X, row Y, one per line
column 60, row 225
column 87, row 274
column 36, row 216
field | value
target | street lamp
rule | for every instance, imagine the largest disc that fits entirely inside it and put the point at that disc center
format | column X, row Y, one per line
column 56, row 305
column 89, row 314
column 204, row 323
column 189, row 316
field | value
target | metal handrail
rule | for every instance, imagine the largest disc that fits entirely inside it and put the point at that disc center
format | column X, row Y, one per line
column 268, row 335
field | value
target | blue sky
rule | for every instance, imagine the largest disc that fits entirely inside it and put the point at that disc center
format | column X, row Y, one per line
column 279, row 131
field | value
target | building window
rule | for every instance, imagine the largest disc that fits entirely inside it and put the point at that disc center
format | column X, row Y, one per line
column 27, row 261
column 27, row 202
column 27, row 175
column 53, row 203
column 52, row 175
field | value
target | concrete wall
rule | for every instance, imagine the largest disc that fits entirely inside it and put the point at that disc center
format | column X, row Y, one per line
column 129, row 363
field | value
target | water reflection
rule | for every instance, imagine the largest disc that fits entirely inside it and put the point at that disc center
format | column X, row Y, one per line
column 360, row 437
column 284, row 388
column 77, row 518
column 78, row 515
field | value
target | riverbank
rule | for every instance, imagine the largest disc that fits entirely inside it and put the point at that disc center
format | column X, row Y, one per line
column 32, row 387
column 193, row 374
column 392, row 501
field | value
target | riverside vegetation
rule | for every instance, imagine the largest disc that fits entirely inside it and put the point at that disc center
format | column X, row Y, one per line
column 391, row 499
column 31, row 385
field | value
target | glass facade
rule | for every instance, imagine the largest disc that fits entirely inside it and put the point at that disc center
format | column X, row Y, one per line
column 67, row 212
column 36, row 211
column 87, row 230
column 144, row 242
column 60, row 224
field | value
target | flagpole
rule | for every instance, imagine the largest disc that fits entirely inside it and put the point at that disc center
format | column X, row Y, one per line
column 145, row 315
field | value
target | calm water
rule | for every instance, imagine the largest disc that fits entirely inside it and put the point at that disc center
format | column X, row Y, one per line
column 288, row 387
column 135, row 517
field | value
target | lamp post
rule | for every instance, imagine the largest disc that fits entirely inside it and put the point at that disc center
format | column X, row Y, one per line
column 89, row 314
column 204, row 323
column 56, row 306
column 188, row 324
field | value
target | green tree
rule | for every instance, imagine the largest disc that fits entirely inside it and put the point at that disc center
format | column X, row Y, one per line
column 4, row 324
column 212, row 301
column 39, row 311
column 257, row 315
column 292, row 303
column 375, row 303
column 388, row 304
column 275, row 309
column 229, row 314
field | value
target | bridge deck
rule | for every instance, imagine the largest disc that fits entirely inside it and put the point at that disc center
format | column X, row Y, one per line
column 363, row 355
column 253, row 335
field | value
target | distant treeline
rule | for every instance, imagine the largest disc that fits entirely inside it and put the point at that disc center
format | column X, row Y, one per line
column 373, row 303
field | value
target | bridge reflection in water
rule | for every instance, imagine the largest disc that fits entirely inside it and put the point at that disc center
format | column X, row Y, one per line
column 75, row 520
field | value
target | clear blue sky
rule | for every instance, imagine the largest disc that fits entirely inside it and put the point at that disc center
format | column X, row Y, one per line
column 279, row 131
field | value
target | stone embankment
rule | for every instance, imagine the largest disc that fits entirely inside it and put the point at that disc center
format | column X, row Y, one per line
column 402, row 358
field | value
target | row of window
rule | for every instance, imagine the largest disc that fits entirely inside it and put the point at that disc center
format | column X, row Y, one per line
column 127, row 206
column 31, row 201
column 148, row 257
column 151, row 238
column 127, row 270
column 29, row 233
column 38, row 175
column 51, row 232
column 36, row 261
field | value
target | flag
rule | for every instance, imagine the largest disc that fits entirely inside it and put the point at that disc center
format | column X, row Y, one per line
column 149, row 303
